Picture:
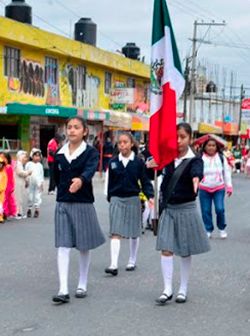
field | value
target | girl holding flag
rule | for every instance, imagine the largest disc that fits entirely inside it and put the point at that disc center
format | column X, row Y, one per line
column 181, row 231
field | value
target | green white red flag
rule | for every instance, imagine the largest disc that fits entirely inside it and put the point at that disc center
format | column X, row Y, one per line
column 167, row 84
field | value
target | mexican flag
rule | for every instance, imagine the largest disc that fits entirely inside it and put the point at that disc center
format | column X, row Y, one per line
column 167, row 84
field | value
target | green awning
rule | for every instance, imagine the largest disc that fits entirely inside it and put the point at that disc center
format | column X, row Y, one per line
column 41, row 110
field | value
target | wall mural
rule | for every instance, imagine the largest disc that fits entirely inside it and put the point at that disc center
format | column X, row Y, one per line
column 31, row 78
column 84, row 87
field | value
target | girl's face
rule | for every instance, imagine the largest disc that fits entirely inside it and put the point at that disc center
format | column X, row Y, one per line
column 36, row 157
column 211, row 148
column 183, row 140
column 4, row 158
column 75, row 131
column 24, row 159
column 124, row 145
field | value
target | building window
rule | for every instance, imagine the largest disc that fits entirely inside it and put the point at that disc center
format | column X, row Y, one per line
column 131, row 83
column 11, row 62
column 51, row 70
column 108, row 82
column 81, row 78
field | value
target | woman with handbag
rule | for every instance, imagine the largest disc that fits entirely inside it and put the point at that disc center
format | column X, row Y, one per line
column 181, row 231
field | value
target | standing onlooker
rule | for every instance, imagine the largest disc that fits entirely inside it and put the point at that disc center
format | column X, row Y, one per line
column 108, row 150
column 238, row 158
column 76, row 223
column 9, row 205
column 247, row 168
column 124, row 174
column 53, row 145
column 21, row 183
column 216, row 181
column 3, row 185
column 35, row 182
column 181, row 231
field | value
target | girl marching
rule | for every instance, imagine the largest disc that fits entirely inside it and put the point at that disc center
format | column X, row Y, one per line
column 181, row 231
column 126, row 173
column 76, row 223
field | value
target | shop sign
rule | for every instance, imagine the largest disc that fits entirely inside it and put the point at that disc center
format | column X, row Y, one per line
column 52, row 111
column 245, row 116
column 3, row 109
column 245, row 105
column 122, row 96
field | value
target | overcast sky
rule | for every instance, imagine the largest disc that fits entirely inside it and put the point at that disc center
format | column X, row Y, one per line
column 121, row 21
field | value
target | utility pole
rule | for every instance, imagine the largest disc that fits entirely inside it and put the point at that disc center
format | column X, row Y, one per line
column 191, row 115
column 186, row 89
column 242, row 96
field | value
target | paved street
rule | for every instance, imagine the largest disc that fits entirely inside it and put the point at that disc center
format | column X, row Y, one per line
column 219, row 295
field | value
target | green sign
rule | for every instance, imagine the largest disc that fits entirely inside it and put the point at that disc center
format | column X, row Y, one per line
column 41, row 110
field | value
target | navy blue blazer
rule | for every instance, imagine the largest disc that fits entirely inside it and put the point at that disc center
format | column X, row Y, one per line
column 184, row 190
column 84, row 167
column 124, row 181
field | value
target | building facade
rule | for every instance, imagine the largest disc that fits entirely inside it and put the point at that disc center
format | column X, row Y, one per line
column 45, row 78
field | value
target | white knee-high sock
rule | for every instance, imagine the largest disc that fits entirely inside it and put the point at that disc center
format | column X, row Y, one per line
column 167, row 273
column 84, row 261
column 63, row 255
column 133, row 249
column 145, row 214
column 114, row 252
column 185, row 271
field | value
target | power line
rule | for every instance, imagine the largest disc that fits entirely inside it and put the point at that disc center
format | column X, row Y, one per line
column 77, row 15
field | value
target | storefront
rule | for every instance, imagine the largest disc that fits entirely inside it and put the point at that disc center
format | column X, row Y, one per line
column 36, row 124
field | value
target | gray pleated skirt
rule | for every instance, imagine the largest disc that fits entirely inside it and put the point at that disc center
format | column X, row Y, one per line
column 181, row 230
column 76, row 225
column 125, row 216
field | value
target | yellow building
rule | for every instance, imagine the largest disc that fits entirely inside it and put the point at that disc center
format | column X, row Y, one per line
column 45, row 78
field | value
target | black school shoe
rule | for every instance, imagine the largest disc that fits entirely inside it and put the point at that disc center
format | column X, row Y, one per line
column 61, row 298
column 112, row 271
column 163, row 299
column 80, row 293
column 130, row 268
column 181, row 298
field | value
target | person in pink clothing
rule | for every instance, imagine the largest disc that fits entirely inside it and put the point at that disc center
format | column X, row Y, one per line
column 9, row 205
column 216, row 182
column 53, row 146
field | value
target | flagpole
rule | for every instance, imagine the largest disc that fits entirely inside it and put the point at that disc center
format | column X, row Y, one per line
column 156, row 202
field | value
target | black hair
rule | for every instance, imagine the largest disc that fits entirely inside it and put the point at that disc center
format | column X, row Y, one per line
column 218, row 147
column 187, row 128
column 134, row 147
column 129, row 135
column 82, row 121
column 7, row 157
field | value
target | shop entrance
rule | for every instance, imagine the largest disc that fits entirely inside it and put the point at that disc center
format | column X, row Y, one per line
column 46, row 134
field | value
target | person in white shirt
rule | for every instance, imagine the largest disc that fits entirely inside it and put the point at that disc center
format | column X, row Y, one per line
column 215, row 183
column 35, row 182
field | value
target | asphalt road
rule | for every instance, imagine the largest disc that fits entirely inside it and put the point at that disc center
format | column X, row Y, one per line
column 219, row 291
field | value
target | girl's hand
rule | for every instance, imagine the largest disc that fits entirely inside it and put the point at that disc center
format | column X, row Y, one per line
column 151, row 203
column 196, row 184
column 229, row 193
column 151, row 164
column 75, row 185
